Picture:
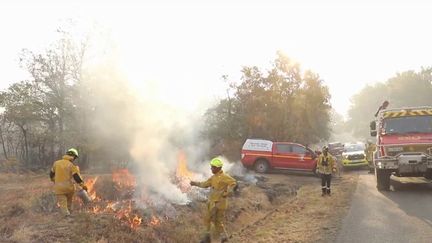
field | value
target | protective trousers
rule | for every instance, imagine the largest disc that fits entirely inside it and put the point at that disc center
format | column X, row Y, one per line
column 65, row 202
column 216, row 217
column 325, row 183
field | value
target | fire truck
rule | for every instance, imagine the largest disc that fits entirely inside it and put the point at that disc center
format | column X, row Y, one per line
column 404, row 143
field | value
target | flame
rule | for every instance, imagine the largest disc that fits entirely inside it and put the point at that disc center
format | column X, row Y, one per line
column 90, row 187
column 154, row 221
column 182, row 170
column 126, row 215
column 122, row 210
column 96, row 209
column 124, row 179
column 136, row 221
column 183, row 174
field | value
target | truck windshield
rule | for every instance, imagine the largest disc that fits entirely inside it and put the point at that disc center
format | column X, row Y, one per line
column 335, row 146
column 354, row 147
column 408, row 124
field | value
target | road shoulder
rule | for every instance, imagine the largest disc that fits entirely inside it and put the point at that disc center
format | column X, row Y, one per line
column 308, row 217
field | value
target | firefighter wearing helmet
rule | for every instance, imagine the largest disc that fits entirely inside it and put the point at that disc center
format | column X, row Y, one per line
column 222, row 185
column 64, row 173
column 326, row 165
column 370, row 149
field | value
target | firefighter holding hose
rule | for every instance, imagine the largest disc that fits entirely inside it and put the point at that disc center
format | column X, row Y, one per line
column 64, row 173
column 222, row 185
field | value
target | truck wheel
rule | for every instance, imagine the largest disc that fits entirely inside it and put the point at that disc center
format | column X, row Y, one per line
column 371, row 169
column 428, row 175
column 383, row 179
column 261, row 166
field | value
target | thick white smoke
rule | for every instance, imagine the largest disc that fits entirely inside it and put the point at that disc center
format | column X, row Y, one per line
column 137, row 116
column 156, row 163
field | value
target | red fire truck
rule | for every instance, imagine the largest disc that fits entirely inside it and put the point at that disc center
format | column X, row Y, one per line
column 404, row 143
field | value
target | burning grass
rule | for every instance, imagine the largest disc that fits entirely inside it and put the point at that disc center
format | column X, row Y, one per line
column 113, row 195
column 120, row 195
column 125, row 210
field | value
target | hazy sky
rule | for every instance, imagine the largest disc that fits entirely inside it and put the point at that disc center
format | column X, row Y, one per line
column 183, row 49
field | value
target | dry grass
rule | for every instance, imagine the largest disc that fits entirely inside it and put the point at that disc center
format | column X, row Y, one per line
column 29, row 214
column 307, row 218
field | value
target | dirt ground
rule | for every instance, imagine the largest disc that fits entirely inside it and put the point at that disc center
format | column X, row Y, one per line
column 307, row 217
column 280, row 207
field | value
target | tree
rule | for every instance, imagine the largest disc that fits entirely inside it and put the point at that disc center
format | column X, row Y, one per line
column 67, row 103
column 282, row 104
column 403, row 90
column 54, row 74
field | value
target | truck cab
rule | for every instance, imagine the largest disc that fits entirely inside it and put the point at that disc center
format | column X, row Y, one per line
column 262, row 155
column 404, row 144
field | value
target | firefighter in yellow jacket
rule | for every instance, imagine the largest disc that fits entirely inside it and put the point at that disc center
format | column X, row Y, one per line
column 64, row 173
column 222, row 185
column 370, row 149
column 326, row 165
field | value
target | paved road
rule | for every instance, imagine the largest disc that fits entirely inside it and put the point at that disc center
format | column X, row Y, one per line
column 401, row 215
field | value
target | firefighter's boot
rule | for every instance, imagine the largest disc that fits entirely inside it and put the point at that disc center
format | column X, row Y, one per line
column 328, row 192
column 206, row 238
column 324, row 192
column 224, row 239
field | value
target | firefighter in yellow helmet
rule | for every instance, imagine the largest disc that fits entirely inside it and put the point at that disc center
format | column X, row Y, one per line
column 326, row 165
column 222, row 185
column 370, row 149
column 64, row 173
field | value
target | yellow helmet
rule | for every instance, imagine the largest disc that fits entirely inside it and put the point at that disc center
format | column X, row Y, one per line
column 72, row 151
column 216, row 162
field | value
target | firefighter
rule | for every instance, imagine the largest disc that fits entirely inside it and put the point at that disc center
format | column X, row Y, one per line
column 222, row 185
column 370, row 149
column 326, row 165
column 64, row 173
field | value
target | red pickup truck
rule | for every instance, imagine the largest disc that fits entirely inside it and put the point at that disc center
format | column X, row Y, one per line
column 263, row 155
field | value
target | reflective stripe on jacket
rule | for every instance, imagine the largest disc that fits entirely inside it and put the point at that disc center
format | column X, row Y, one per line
column 326, row 164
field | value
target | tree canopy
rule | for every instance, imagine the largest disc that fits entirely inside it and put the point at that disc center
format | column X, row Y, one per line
column 406, row 89
column 279, row 104
column 64, row 103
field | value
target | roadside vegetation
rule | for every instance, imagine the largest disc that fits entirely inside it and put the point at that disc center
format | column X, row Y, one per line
column 76, row 96
column 405, row 89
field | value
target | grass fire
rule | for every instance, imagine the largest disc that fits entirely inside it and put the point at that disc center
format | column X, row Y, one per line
column 215, row 121
column 119, row 195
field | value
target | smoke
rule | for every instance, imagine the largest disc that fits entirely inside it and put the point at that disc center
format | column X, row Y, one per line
column 127, row 124
column 136, row 121
column 235, row 169
column 155, row 147
column 155, row 162
column 238, row 170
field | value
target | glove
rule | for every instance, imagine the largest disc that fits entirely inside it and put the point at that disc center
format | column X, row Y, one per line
column 84, row 187
column 193, row 183
column 334, row 170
